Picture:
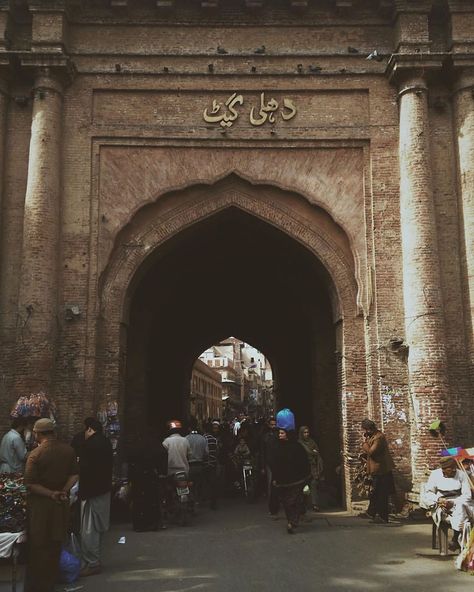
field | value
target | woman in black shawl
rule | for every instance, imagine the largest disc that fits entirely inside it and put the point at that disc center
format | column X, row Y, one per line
column 290, row 469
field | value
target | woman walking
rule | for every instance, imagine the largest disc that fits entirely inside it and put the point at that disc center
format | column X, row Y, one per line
column 290, row 468
column 315, row 463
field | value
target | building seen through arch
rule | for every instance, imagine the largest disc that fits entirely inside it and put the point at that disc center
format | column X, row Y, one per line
column 246, row 379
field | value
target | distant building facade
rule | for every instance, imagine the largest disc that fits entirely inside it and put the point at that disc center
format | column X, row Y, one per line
column 205, row 393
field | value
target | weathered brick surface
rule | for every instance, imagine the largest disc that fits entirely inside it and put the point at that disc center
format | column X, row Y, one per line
column 377, row 187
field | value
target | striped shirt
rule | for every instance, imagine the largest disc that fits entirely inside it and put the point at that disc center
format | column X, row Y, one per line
column 212, row 445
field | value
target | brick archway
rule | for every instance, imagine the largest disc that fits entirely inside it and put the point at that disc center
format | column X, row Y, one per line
column 312, row 228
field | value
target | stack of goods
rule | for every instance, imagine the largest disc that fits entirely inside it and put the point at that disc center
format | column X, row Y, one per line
column 12, row 503
column 36, row 405
column 362, row 480
column 108, row 417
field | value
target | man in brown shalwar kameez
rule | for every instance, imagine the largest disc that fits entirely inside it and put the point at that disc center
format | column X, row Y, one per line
column 51, row 471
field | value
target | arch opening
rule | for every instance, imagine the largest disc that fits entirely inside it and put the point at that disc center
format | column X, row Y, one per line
column 234, row 274
column 243, row 377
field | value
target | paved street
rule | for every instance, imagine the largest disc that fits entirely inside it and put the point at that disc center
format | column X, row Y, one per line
column 240, row 549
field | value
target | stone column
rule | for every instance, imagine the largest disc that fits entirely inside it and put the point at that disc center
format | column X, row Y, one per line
column 3, row 118
column 41, row 236
column 3, row 121
column 424, row 318
column 464, row 131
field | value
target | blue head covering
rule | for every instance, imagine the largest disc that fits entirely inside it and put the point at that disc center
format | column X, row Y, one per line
column 285, row 420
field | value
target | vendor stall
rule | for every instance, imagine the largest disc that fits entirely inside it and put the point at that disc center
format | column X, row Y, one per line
column 12, row 521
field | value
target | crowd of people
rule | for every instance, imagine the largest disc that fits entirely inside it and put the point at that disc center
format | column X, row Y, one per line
column 213, row 458
column 55, row 475
column 285, row 463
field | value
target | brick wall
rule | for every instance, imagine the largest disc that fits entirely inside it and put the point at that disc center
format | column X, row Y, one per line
column 136, row 149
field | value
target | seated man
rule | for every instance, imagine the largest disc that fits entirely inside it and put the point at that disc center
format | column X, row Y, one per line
column 448, row 492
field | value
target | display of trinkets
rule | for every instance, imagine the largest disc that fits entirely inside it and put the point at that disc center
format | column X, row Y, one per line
column 34, row 405
column 109, row 418
column 12, row 503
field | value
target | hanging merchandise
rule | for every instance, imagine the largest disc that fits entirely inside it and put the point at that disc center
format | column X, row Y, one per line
column 12, row 503
column 35, row 406
column 108, row 417
column 21, row 408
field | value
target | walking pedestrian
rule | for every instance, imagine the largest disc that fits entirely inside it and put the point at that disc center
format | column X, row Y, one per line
column 269, row 441
column 199, row 455
column 315, row 463
column 51, row 470
column 379, row 466
column 290, row 468
column 13, row 448
column 95, row 485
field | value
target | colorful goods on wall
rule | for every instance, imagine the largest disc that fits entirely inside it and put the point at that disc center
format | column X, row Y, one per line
column 35, row 405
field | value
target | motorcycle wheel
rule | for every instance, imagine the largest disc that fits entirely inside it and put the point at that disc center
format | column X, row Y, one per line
column 250, row 491
column 184, row 515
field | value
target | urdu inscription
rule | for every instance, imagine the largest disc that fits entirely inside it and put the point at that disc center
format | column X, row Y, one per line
column 227, row 113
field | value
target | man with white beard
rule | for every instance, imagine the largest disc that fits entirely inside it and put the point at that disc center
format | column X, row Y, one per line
column 449, row 490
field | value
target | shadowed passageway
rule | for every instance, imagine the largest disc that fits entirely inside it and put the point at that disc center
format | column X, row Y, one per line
column 234, row 274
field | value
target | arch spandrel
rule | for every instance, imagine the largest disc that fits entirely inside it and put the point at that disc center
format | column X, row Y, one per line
column 329, row 178
column 150, row 230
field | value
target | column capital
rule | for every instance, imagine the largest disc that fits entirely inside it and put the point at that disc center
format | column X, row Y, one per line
column 463, row 78
column 6, row 72
column 420, row 66
column 56, row 71
column 419, row 6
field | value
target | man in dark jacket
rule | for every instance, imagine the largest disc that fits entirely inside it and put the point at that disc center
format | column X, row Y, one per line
column 95, row 484
column 379, row 466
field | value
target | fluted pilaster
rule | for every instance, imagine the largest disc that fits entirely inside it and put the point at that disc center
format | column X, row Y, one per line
column 464, row 132
column 3, row 117
column 41, row 233
column 424, row 318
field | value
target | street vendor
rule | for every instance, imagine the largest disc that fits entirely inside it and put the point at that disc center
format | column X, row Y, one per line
column 51, row 470
column 12, row 448
column 448, row 490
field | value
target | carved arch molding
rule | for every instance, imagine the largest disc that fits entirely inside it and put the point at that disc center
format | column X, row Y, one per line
column 157, row 223
column 154, row 224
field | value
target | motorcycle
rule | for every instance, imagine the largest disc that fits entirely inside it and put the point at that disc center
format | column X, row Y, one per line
column 248, row 481
column 180, row 499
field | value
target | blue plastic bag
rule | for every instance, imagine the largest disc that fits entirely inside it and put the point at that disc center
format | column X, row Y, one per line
column 285, row 420
column 69, row 567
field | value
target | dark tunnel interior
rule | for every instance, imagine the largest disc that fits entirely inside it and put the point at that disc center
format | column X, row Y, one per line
column 233, row 274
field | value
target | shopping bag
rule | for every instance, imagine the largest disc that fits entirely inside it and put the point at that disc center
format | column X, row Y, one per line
column 69, row 567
